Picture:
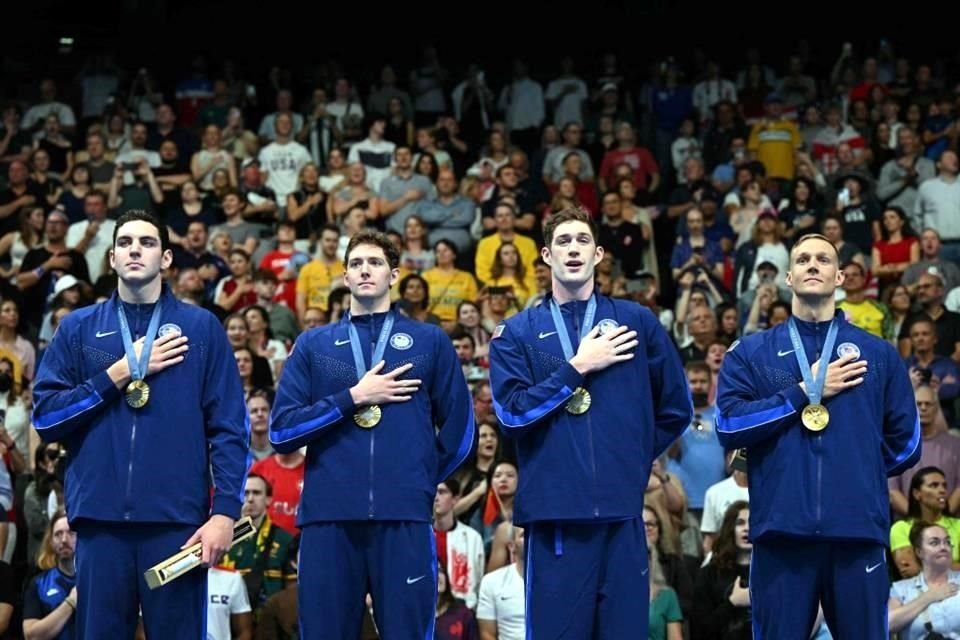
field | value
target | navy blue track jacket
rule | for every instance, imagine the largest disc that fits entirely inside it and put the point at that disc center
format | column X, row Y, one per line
column 832, row 484
column 148, row 465
column 595, row 466
column 389, row 472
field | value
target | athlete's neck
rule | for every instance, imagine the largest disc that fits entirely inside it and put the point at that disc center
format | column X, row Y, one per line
column 568, row 292
column 140, row 293
column 366, row 306
column 814, row 308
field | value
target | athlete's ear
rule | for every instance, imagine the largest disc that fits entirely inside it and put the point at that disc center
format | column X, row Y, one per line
column 165, row 260
column 599, row 254
column 113, row 259
column 545, row 254
column 394, row 276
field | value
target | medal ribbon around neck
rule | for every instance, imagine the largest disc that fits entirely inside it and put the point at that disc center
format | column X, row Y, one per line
column 378, row 350
column 138, row 370
column 814, row 385
column 561, row 326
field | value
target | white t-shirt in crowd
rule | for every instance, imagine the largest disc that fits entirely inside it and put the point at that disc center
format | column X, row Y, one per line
column 97, row 247
column 283, row 162
column 503, row 599
column 226, row 596
column 717, row 500
column 570, row 106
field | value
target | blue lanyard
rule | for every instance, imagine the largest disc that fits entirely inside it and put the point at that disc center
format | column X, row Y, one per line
column 378, row 350
column 561, row 326
column 814, row 387
column 138, row 370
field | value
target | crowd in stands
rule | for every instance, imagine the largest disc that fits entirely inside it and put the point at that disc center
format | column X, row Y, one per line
column 700, row 177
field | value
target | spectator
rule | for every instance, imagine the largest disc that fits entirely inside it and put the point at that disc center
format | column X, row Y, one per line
column 261, row 339
column 677, row 569
column 937, row 204
column 236, row 292
column 50, row 599
column 897, row 249
column 697, row 458
column 228, row 611
column 76, row 189
column 474, row 476
column 173, row 173
column 417, row 256
column 374, row 153
column 800, row 214
column 722, row 608
column 137, row 151
column 268, row 131
column 665, row 618
column 381, row 95
column 19, row 192
column 646, row 173
column 402, row 193
column 928, row 502
column 141, row 193
column 450, row 215
column 284, row 473
column 455, row 621
column 932, row 261
column 901, row 178
column 261, row 201
column 346, row 112
column 718, row 499
column 930, row 296
column 216, row 111
column 239, row 141
column 797, row 88
column 210, row 267
column 925, row 605
column 426, row 84
column 260, row 375
column 321, row 275
column 625, row 240
column 48, row 185
column 243, row 235
column 861, row 217
column 566, row 95
column 774, row 140
column 508, row 189
column 92, row 236
column 36, row 115
column 832, row 227
column 828, row 139
column 281, row 320
column 871, row 316
column 212, row 157
column 101, row 168
column 582, row 193
column 744, row 215
column 16, row 244
column 283, row 159
column 521, row 100
column 939, row 131
column 415, row 299
column 459, row 547
column 505, row 216
column 685, row 147
column 712, row 90
column 553, row 162
column 764, row 247
column 262, row 561
column 508, row 272
column 15, row 142
column 501, row 608
column 42, row 266
column 258, row 410
column 695, row 252
column 279, row 619
column 473, row 106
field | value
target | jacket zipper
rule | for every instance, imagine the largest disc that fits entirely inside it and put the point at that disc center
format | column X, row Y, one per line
column 593, row 458
column 819, row 445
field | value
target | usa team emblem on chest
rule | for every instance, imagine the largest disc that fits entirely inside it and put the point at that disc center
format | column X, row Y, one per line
column 401, row 341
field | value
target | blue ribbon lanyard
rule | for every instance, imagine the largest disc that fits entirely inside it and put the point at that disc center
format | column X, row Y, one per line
column 561, row 327
column 378, row 350
column 814, row 386
column 138, row 370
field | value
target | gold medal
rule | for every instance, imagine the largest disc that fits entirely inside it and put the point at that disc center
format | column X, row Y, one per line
column 368, row 417
column 815, row 417
column 579, row 402
column 138, row 393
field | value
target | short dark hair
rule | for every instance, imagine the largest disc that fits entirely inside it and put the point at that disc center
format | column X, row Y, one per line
column 449, row 244
column 853, row 263
column 376, row 239
column 96, row 193
column 330, row 227
column 453, row 485
column 698, row 365
column 266, row 482
column 405, row 282
column 240, row 252
column 916, row 533
column 265, row 275
column 144, row 216
column 461, row 334
column 570, row 214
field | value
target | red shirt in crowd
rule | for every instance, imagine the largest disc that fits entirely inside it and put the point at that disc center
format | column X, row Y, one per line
column 287, row 485
column 278, row 261
column 639, row 159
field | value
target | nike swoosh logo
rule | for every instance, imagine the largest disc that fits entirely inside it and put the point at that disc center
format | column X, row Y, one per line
column 104, row 334
column 785, row 353
column 874, row 567
column 644, row 572
column 340, row 343
column 547, row 334
column 415, row 580
column 53, row 592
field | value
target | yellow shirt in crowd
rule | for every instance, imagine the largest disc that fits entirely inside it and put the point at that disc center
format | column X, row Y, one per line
column 775, row 142
column 447, row 290
column 316, row 280
column 487, row 251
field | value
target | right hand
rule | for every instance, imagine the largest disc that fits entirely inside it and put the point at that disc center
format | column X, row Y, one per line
column 941, row 592
column 374, row 388
column 598, row 352
column 59, row 262
column 842, row 374
column 167, row 351
column 72, row 597
column 739, row 596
